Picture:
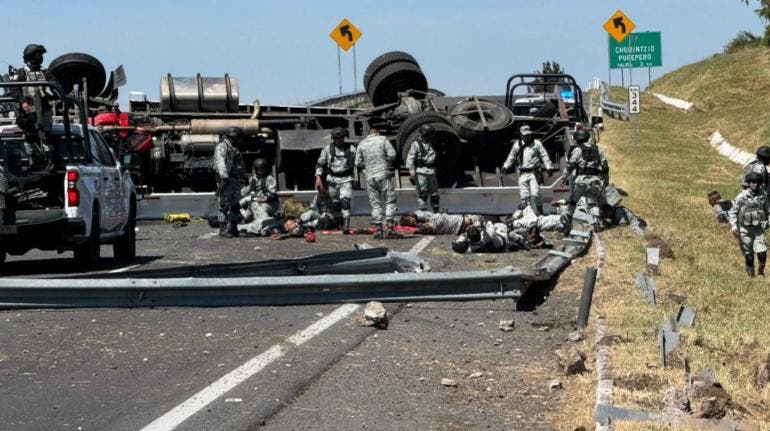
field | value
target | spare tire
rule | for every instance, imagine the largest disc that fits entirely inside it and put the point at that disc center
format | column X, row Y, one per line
column 70, row 69
column 390, row 80
column 384, row 60
column 466, row 119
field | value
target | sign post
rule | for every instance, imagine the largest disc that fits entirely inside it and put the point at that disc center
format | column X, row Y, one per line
column 345, row 34
column 634, row 109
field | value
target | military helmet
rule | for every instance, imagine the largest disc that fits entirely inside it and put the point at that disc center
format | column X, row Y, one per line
column 339, row 132
column 764, row 152
column 581, row 136
column 32, row 49
column 259, row 163
column 234, row 132
column 460, row 246
column 427, row 130
column 754, row 177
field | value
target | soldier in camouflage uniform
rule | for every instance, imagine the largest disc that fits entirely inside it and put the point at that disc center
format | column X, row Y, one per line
column 591, row 168
column 489, row 237
column 335, row 166
column 431, row 223
column 719, row 206
column 758, row 165
column 34, row 116
column 377, row 155
column 528, row 157
column 748, row 221
column 3, row 191
column 421, row 162
column 318, row 216
column 259, row 199
column 228, row 169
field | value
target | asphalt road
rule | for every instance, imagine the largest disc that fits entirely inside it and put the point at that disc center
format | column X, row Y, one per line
column 280, row 368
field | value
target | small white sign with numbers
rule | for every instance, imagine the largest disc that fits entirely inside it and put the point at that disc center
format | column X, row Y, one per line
column 634, row 102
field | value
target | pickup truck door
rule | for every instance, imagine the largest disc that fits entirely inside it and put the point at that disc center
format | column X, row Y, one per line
column 111, row 194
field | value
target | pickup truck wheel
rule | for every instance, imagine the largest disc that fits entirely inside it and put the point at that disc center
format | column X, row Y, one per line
column 69, row 69
column 124, row 247
column 87, row 254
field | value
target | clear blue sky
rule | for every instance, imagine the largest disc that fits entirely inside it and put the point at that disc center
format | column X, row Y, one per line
column 282, row 53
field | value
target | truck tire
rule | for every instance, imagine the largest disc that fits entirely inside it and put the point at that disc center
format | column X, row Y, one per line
column 385, row 60
column 124, row 248
column 411, row 124
column 69, row 69
column 447, row 149
column 87, row 254
column 392, row 79
column 466, row 119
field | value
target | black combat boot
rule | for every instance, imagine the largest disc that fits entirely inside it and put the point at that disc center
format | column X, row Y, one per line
column 540, row 210
column 762, row 257
column 750, row 265
column 434, row 203
column 379, row 233
column 346, row 226
column 391, row 232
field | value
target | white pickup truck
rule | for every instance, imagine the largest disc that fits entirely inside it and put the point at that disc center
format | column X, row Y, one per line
column 77, row 200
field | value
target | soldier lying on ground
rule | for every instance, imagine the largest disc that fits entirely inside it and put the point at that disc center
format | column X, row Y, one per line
column 719, row 206
column 620, row 216
column 259, row 199
column 431, row 223
column 496, row 237
column 525, row 218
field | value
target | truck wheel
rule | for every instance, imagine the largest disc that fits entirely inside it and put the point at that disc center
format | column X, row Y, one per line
column 87, row 254
column 466, row 119
column 69, row 69
column 397, row 77
column 447, row 149
column 385, row 60
column 124, row 247
column 412, row 123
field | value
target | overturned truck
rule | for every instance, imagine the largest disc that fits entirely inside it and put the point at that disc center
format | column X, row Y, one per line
column 174, row 138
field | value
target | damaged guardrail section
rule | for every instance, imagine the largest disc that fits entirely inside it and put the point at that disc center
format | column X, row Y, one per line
column 614, row 110
column 350, row 277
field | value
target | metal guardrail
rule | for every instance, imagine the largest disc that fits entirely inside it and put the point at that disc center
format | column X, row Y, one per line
column 506, row 282
column 614, row 110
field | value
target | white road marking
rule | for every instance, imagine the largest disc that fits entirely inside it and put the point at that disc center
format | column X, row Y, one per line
column 421, row 244
column 226, row 383
column 192, row 405
column 115, row 271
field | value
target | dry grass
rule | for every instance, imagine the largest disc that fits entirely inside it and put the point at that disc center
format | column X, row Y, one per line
column 667, row 177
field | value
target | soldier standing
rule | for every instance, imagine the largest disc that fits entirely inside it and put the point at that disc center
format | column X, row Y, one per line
column 35, row 116
column 228, row 168
column 377, row 155
column 259, row 197
column 336, row 162
column 758, row 165
column 421, row 162
column 748, row 220
column 590, row 167
column 528, row 156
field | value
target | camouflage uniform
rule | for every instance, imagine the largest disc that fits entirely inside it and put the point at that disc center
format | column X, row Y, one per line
column 590, row 166
column 759, row 167
column 446, row 224
column 721, row 209
column 228, row 167
column 749, row 215
column 528, row 159
column 377, row 155
column 318, row 217
column 421, row 161
column 259, row 188
column 622, row 216
column 337, row 163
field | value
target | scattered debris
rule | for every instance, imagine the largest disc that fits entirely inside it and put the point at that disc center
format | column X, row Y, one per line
column 571, row 360
column 686, row 316
column 233, row 400
column 575, row 336
column 675, row 402
column 506, row 325
column 763, row 373
column 450, row 383
column 708, row 399
column 679, row 299
column 609, row 339
column 476, row 375
column 374, row 315
column 668, row 340
column 554, row 385
column 654, row 241
column 647, row 286
column 209, row 335
column 653, row 261
column 362, row 246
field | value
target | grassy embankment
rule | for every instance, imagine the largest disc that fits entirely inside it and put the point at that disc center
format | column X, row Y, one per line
column 667, row 177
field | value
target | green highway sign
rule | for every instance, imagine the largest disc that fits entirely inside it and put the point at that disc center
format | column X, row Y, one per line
column 637, row 50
